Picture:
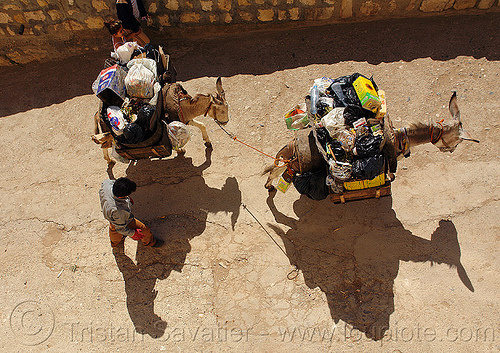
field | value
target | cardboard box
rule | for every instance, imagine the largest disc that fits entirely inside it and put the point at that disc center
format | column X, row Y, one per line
column 111, row 85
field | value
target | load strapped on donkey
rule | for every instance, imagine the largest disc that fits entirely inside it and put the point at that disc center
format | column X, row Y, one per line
column 345, row 145
column 130, row 109
column 143, row 112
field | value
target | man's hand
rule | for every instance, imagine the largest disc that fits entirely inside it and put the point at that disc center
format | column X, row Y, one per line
column 137, row 235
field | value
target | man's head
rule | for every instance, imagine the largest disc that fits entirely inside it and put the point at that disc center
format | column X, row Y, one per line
column 123, row 187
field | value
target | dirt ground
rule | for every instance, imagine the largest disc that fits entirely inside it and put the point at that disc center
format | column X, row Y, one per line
column 242, row 270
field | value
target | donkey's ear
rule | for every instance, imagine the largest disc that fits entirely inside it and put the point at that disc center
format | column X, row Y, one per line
column 218, row 85
column 464, row 135
column 453, row 107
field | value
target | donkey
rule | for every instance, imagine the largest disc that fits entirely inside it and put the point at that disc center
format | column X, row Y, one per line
column 180, row 106
column 302, row 155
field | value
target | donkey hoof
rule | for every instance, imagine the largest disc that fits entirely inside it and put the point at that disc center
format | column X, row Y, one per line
column 181, row 151
column 208, row 144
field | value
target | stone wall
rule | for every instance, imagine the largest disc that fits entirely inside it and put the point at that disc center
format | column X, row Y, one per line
column 39, row 30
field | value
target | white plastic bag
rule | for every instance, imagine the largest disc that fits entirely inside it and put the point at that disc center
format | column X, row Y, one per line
column 125, row 51
column 116, row 119
column 334, row 121
column 149, row 63
column 116, row 156
column 140, row 81
column 178, row 134
column 323, row 83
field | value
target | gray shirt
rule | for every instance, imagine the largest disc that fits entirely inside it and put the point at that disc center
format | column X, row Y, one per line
column 115, row 210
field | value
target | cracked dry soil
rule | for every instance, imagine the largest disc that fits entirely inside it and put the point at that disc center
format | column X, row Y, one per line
column 417, row 271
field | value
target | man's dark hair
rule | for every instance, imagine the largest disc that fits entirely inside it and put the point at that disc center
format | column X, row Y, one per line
column 123, row 187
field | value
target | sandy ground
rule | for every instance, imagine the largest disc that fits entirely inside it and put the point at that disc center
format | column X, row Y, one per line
column 242, row 271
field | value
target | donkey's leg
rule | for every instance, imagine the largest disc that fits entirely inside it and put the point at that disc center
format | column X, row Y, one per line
column 203, row 130
column 111, row 162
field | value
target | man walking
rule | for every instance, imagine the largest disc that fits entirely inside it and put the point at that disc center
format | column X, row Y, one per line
column 115, row 206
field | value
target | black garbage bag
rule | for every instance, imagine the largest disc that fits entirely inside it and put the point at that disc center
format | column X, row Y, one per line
column 368, row 145
column 133, row 133
column 322, row 108
column 337, row 150
column 367, row 168
column 353, row 113
column 323, row 136
column 144, row 116
column 312, row 184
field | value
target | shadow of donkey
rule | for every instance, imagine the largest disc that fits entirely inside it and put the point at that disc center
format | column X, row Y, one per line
column 173, row 199
column 352, row 253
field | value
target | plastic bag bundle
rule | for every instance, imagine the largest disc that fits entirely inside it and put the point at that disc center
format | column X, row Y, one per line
column 133, row 133
column 368, row 145
column 346, row 139
column 312, row 184
column 116, row 119
column 334, row 121
column 144, row 116
column 340, row 170
column 178, row 134
column 367, row 168
column 335, row 147
column 141, row 78
column 125, row 51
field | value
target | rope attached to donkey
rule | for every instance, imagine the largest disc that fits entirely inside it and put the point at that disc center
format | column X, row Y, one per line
column 277, row 161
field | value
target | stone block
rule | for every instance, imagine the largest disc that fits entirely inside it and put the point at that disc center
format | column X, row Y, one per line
column 282, row 15
column 434, row 5
column 152, row 8
column 191, row 17
column 369, row 8
column 19, row 17
column 243, row 3
column 265, row 15
column 164, row 20
column 228, row 18
column 486, row 4
column 308, row 2
column 294, row 13
column 34, row 15
column 11, row 7
column 172, row 5
column 225, row 5
column 99, row 5
column 464, row 4
column 94, row 22
column 4, row 18
column 346, row 9
column 206, row 5
column 55, row 15
column 245, row 16
column 316, row 14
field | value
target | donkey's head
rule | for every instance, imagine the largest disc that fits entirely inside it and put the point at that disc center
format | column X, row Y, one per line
column 218, row 109
column 447, row 135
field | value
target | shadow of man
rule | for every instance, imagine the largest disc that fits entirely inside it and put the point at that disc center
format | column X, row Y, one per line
column 173, row 199
column 352, row 253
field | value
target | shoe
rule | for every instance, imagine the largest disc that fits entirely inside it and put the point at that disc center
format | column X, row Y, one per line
column 158, row 243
